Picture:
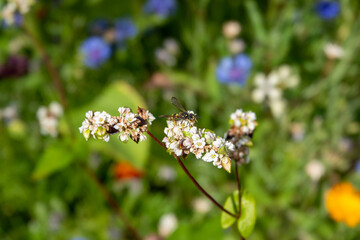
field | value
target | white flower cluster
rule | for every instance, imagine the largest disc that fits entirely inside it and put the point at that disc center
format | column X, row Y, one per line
column 101, row 125
column 14, row 6
column 243, row 125
column 270, row 88
column 244, row 121
column 49, row 118
column 182, row 138
column 168, row 53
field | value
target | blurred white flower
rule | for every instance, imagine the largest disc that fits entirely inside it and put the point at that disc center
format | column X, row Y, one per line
column 315, row 170
column 236, row 46
column 168, row 52
column 269, row 88
column 201, row 205
column 15, row 6
column 9, row 113
column 277, row 107
column 48, row 118
column 231, row 29
column 166, row 173
column 171, row 46
column 167, row 225
column 333, row 51
column 266, row 87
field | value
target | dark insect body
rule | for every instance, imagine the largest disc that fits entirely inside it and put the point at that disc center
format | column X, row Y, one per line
column 183, row 115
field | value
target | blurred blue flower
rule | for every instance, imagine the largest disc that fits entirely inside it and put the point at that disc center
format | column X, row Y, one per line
column 99, row 26
column 163, row 8
column 18, row 21
column 124, row 29
column 357, row 166
column 95, row 51
column 327, row 9
column 234, row 69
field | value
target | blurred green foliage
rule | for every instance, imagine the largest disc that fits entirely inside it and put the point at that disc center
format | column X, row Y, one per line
column 44, row 194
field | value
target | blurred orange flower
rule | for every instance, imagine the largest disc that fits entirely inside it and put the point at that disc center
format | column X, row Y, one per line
column 343, row 203
column 125, row 170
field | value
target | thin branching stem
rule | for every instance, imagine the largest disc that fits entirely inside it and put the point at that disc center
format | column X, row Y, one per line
column 193, row 179
column 112, row 202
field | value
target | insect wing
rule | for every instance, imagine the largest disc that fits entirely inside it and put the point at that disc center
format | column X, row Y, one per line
column 177, row 104
column 165, row 116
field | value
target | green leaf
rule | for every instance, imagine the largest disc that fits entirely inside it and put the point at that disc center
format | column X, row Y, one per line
column 247, row 219
column 116, row 95
column 56, row 157
column 232, row 205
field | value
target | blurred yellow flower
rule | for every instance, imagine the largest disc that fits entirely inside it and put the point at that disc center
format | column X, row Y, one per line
column 343, row 203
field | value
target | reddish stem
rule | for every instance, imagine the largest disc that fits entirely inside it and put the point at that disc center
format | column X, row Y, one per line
column 192, row 178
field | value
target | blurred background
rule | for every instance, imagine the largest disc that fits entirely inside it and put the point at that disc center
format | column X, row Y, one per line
column 293, row 63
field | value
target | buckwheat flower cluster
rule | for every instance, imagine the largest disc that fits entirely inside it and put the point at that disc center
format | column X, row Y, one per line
column 101, row 125
column 49, row 118
column 13, row 7
column 240, row 133
column 183, row 138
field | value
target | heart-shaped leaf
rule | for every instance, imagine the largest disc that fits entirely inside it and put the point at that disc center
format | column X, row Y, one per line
column 247, row 219
column 232, row 205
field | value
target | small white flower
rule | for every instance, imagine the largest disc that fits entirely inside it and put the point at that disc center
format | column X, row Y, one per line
column 173, row 145
column 123, row 110
column 56, row 109
column 209, row 136
column 177, row 130
column 200, row 143
column 195, row 137
column 333, row 51
column 89, row 114
column 315, row 170
column 178, row 152
column 106, row 138
column 210, row 156
column 41, row 112
column 201, row 205
column 151, row 117
column 187, row 143
column 266, row 87
column 198, row 155
column 236, row 46
column 167, row 173
column 124, row 137
column 231, row 29
column 219, row 142
column 100, row 118
column 167, row 225
column 142, row 137
column 193, row 130
column 171, row 46
column 229, row 146
column 130, row 117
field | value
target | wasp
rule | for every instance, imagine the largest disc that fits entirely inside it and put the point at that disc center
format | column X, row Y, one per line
column 183, row 115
